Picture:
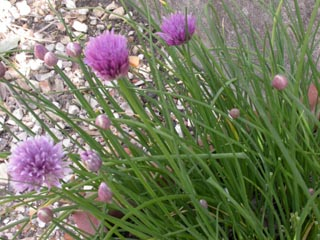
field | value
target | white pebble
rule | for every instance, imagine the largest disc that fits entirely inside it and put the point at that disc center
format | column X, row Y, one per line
column 24, row 8
column 80, row 27
column 18, row 113
column 60, row 47
column 48, row 18
column 35, row 64
column 73, row 109
column 70, row 4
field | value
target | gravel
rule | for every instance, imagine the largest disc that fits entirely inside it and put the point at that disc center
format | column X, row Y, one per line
column 34, row 22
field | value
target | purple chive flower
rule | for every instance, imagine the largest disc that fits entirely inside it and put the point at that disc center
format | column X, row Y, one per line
column 36, row 162
column 91, row 160
column 177, row 28
column 108, row 56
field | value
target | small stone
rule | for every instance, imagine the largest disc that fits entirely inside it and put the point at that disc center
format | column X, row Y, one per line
column 98, row 12
column 135, row 50
column 18, row 113
column 100, row 27
column 117, row 13
column 73, row 109
column 45, row 76
column 80, row 27
column 45, row 86
column 66, row 143
column 57, row 133
column 60, row 47
column 48, row 18
column 141, row 56
column 112, row 6
column 24, row 8
column 50, row 47
column 61, row 125
column 22, row 136
column 179, row 130
column 35, row 64
column 130, row 33
column 93, row 22
column 83, row 11
column 37, row 129
column 34, row 83
column 14, row 12
column 70, row 4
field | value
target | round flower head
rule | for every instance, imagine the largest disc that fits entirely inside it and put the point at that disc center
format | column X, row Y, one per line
column 279, row 82
column 36, row 162
column 108, row 56
column 73, row 49
column 104, row 193
column 91, row 160
column 177, row 28
column 40, row 51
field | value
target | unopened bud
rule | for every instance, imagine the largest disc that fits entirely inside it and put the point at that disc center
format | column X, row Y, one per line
column 40, row 51
column 311, row 191
column 203, row 203
column 2, row 70
column 91, row 160
column 102, row 121
column 50, row 59
column 73, row 49
column 279, row 82
column 45, row 214
column 234, row 113
column 104, row 193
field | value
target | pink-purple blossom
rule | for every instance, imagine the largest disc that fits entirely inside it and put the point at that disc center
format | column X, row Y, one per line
column 108, row 55
column 35, row 163
column 177, row 28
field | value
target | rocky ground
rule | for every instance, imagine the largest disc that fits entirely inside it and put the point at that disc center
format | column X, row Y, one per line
column 24, row 23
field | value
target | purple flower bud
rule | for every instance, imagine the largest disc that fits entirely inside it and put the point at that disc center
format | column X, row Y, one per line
column 311, row 191
column 73, row 49
column 40, row 51
column 45, row 214
column 279, row 82
column 104, row 193
column 2, row 70
column 203, row 203
column 50, row 59
column 234, row 113
column 102, row 121
column 91, row 160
